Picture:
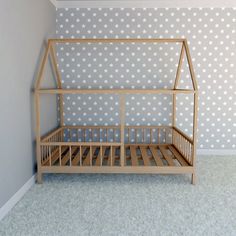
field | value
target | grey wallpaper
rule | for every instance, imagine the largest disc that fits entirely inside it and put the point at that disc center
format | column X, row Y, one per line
column 212, row 36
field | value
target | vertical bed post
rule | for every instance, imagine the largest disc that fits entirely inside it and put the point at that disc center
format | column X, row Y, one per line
column 194, row 134
column 37, row 109
column 122, row 129
column 58, row 79
column 195, row 112
column 177, row 77
column 38, row 137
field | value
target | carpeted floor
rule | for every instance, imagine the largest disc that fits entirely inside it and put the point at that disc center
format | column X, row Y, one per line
column 130, row 204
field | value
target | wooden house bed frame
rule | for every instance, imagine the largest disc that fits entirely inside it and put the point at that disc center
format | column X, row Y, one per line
column 84, row 152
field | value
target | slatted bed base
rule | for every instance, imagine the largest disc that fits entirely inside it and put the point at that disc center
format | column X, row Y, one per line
column 106, row 159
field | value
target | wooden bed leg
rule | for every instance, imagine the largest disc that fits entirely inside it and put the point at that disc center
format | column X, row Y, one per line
column 39, row 177
column 193, row 179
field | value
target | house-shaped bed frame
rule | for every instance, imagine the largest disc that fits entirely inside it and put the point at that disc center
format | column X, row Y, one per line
column 85, row 152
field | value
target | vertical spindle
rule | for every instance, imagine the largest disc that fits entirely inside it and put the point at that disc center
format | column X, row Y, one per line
column 101, row 155
column 151, row 135
column 91, row 155
column 114, row 134
column 143, row 135
column 84, row 137
column 111, row 155
column 60, row 155
column 80, row 155
column 70, row 154
column 50, row 156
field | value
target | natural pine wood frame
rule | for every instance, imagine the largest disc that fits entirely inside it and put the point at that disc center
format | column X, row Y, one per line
column 183, row 143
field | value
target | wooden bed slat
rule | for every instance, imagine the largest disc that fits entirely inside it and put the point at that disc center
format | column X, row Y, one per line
column 63, row 150
column 146, row 159
column 133, row 155
column 98, row 161
column 86, row 161
column 54, row 156
column 76, row 159
column 111, row 158
column 94, row 156
column 115, row 156
column 134, row 158
column 155, row 155
column 66, row 157
column 167, row 156
column 178, row 156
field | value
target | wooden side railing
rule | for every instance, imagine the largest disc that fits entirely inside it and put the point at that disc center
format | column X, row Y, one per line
column 70, row 142
column 133, row 134
column 184, row 144
column 55, row 135
column 76, row 153
column 91, row 133
column 148, row 134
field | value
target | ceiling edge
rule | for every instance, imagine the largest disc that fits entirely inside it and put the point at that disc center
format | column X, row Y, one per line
column 146, row 4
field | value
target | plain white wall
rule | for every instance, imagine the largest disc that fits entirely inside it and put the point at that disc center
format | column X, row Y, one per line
column 24, row 27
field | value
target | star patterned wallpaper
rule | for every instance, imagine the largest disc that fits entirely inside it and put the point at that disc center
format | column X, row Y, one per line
column 211, row 34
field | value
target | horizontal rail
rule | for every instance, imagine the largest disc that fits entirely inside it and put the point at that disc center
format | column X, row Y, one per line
column 119, row 169
column 115, row 127
column 90, row 127
column 114, row 91
column 79, row 144
column 130, row 40
column 183, row 134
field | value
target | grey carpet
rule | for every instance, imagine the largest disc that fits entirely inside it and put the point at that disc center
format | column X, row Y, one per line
column 130, row 204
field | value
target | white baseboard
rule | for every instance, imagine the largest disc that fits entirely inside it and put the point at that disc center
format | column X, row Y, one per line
column 216, row 152
column 16, row 197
